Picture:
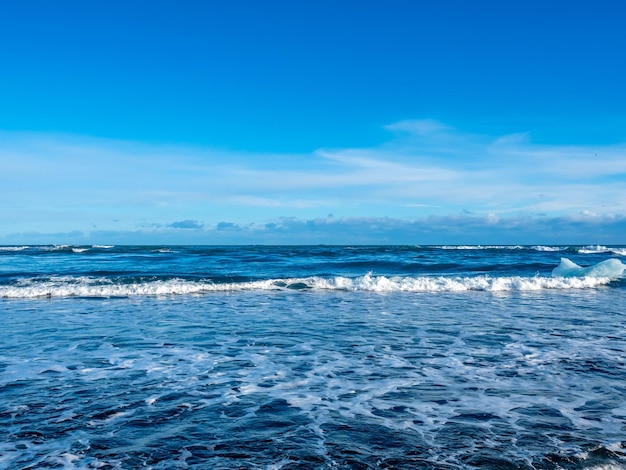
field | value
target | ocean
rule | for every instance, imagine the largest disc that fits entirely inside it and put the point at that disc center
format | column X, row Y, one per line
column 312, row 357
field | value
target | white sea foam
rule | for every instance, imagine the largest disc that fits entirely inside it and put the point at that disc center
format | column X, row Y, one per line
column 502, row 247
column 564, row 277
column 592, row 249
column 441, row 378
column 595, row 249
column 546, row 248
column 13, row 248
column 478, row 247
column 384, row 284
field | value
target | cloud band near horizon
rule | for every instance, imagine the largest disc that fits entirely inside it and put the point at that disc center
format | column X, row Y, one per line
column 427, row 179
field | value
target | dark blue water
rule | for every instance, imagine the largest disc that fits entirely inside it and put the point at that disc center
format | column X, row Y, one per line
column 311, row 357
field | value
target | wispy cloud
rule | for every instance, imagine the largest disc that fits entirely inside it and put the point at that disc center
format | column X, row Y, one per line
column 419, row 127
column 426, row 171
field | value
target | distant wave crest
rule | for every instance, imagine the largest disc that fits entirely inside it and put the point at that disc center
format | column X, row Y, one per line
column 595, row 249
column 583, row 250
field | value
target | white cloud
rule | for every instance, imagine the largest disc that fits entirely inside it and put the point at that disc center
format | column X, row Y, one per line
column 64, row 183
column 418, row 126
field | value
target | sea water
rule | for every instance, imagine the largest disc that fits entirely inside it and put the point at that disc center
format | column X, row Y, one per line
column 322, row 357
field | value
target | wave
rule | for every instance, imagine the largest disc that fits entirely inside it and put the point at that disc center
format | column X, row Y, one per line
column 588, row 249
column 584, row 250
column 596, row 249
column 481, row 247
column 546, row 248
column 48, row 248
column 503, row 247
column 103, row 287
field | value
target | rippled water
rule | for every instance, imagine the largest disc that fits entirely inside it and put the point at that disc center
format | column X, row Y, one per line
column 313, row 378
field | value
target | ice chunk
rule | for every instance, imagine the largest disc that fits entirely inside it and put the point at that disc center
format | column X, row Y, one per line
column 611, row 268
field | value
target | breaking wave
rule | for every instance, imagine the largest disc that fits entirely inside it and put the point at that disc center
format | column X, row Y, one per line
column 596, row 249
column 103, row 287
column 583, row 250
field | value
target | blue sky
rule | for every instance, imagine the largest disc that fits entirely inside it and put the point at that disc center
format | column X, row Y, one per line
column 313, row 122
